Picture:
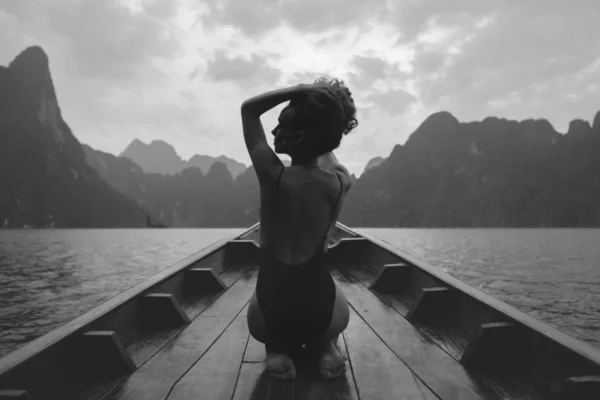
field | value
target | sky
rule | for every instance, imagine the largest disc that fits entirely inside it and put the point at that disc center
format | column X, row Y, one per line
column 178, row 70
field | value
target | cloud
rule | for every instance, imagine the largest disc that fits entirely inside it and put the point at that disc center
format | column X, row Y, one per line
column 415, row 17
column 177, row 70
column 303, row 77
column 252, row 18
column 104, row 39
column 238, row 69
column 256, row 18
column 427, row 62
column 369, row 70
column 318, row 15
column 392, row 102
column 493, row 57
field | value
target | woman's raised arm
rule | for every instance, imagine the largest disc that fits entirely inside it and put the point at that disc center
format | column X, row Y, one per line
column 266, row 163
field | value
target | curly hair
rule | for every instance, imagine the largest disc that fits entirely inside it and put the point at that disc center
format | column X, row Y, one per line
column 326, row 125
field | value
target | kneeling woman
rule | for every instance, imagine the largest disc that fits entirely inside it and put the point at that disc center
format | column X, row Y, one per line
column 296, row 301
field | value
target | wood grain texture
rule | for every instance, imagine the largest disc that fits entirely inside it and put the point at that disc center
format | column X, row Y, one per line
column 146, row 345
column 582, row 388
column 101, row 354
column 390, row 278
column 343, row 345
column 578, row 347
column 202, row 280
column 496, row 344
column 253, row 383
column 14, row 395
column 347, row 248
column 379, row 374
column 158, row 311
column 433, row 305
column 255, row 351
column 155, row 378
column 234, row 254
column 440, row 372
column 214, row 376
column 230, row 276
column 428, row 393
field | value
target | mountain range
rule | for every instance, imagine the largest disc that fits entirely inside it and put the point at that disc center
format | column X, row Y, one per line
column 492, row 173
column 160, row 157
column 45, row 180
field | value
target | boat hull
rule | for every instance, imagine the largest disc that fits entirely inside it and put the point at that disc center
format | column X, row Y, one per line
column 414, row 332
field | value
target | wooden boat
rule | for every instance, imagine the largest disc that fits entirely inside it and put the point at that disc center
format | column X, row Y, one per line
column 415, row 332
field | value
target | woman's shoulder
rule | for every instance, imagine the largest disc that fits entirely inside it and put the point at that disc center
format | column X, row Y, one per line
column 343, row 175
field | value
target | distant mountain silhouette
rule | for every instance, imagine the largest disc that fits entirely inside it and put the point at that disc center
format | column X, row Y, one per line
column 373, row 162
column 44, row 178
column 156, row 157
column 185, row 199
column 205, row 163
column 490, row 173
column 495, row 172
column 160, row 157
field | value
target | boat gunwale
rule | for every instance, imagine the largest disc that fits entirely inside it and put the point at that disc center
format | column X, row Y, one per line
column 46, row 341
column 578, row 346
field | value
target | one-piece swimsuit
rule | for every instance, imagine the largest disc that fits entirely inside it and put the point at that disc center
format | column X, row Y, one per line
column 297, row 301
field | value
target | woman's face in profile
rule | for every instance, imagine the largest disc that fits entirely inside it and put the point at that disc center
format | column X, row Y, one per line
column 287, row 136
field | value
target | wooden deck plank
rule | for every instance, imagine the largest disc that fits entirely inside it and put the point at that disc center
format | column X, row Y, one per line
column 491, row 383
column 440, row 372
column 156, row 377
column 452, row 339
column 255, row 351
column 575, row 346
column 253, row 383
column 231, row 276
column 429, row 395
column 343, row 345
column 435, row 367
column 149, row 344
column 98, row 391
column 379, row 374
column 214, row 376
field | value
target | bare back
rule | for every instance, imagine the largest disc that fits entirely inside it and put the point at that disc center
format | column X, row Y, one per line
column 297, row 214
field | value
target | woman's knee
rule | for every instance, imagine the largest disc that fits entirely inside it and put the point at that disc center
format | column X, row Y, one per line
column 342, row 308
column 340, row 317
column 256, row 322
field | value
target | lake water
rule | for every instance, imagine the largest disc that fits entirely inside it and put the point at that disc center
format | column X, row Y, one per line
column 49, row 277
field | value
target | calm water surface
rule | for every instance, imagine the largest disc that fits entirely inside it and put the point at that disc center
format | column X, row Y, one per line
column 49, row 277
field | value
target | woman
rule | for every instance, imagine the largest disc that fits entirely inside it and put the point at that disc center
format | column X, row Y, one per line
column 296, row 301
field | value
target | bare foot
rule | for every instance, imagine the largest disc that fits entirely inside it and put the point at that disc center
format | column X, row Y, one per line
column 332, row 365
column 280, row 366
